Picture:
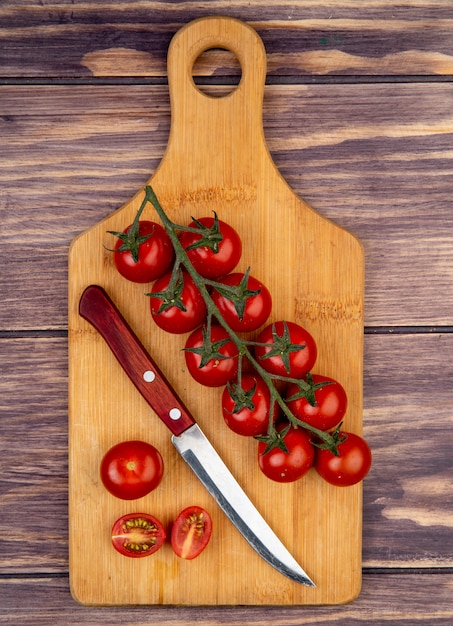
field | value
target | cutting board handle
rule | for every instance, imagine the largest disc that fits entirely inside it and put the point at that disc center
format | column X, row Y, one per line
column 226, row 33
column 208, row 131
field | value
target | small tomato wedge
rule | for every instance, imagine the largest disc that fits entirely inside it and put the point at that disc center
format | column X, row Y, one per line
column 137, row 535
column 350, row 466
column 131, row 469
column 191, row 532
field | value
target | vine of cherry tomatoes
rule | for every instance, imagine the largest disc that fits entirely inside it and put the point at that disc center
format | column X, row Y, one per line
column 198, row 292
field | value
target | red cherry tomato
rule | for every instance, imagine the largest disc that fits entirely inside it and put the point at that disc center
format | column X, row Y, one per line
column 191, row 532
column 246, row 406
column 291, row 352
column 217, row 255
column 350, row 466
column 330, row 403
column 180, row 309
column 155, row 254
column 286, row 467
column 212, row 360
column 253, row 311
column 137, row 535
column 131, row 469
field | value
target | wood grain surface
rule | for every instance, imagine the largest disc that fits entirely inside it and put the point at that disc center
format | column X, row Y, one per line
column 315, row 272
column 357, row 116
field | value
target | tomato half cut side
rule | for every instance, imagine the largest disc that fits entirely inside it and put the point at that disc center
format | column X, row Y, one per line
column 137, row 535
column 191, row 532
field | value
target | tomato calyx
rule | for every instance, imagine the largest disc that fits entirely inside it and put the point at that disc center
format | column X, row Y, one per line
column 242, row 398
column 238, row 294
column 209, row 350
column 210, row 236
column 131, row 238
column 307, row 389
column 282, row 346
column 336, row 437
column 274, row 439
column 172, row 295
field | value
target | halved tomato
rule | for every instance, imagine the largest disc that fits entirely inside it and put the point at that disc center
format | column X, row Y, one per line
column 137, row 534
column 191, row 532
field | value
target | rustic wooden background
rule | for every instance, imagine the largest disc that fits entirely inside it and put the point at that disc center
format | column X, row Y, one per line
column 358, row 115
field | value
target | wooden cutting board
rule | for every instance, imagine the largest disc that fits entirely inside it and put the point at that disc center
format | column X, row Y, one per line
column 216, row 160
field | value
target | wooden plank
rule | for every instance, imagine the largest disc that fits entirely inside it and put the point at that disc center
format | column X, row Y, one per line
column 303, row 39
column 396, row 599
column 406, row 507
column 72, row 155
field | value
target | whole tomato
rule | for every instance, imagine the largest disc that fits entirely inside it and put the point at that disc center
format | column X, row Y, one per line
column 131, row 469
column 289, row 349
column 143, row 252
column 211, row 357
column 350, row 466
column 324, row 407
column 137, row 535
column 248, row 307
column 285, row 466
column 215, row 250
column 177, row 308
column 246, row 405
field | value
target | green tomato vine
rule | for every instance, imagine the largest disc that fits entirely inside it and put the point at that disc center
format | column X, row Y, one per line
column 210, row 236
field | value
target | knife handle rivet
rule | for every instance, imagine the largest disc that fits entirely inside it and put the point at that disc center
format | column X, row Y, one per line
column 149, row 376
column 174, row 414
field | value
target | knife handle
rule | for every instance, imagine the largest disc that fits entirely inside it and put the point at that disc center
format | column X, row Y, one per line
column 97, row 308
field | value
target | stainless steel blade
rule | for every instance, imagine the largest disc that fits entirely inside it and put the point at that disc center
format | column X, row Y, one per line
column 196, row 450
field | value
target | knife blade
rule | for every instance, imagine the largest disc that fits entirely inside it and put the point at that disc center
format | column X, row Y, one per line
column 97, row 308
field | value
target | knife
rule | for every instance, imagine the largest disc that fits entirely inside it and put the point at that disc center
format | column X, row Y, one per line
column 97, row 308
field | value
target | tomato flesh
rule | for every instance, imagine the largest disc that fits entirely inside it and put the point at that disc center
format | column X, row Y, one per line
column 191, row 532
column 137, row 535
column 131, row 469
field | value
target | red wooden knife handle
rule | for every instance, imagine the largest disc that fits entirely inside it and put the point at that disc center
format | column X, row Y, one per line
column 97, row 308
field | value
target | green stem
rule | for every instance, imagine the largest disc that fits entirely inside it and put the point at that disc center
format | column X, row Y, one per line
column 242, row 345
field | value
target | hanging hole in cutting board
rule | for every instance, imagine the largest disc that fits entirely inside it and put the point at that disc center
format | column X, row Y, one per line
column 217, row 72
